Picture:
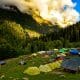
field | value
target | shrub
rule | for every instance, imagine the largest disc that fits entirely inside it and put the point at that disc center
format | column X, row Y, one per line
column 6, row 51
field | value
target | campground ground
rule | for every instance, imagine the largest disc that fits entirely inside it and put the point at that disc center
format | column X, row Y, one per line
column 13, row 71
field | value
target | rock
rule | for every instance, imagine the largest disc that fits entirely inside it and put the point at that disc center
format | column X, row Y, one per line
column 11, row 77
column 2, row 76
column 25, row 78
column 16, row 79
column 22, row 63
column 62, row 76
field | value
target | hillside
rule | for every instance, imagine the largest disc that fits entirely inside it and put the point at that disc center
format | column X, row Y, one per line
column 26, row 21
column 16, row 29
column 21, row 34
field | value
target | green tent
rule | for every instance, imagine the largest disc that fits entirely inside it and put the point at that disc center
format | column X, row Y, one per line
column 63, row 50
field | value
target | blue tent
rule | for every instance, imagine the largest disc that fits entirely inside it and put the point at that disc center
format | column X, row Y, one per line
column 74, row 51
column 72, row 64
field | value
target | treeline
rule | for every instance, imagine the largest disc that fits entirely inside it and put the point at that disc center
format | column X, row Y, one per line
column 14, row 41
column 71, row 33
column 68, row 37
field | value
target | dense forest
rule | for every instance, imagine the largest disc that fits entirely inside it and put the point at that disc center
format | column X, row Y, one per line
column 21, row 34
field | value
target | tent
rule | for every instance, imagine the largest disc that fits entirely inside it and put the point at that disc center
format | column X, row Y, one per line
column 56, row 50
column 41, row 52
column 63, row 50
column 32, row 71
column 22, row 62
column 2, row 62
column 72, row 64
column 49, row 52
column 74, row 51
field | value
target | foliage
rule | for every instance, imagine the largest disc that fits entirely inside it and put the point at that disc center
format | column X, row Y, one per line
column 6, row 50
column 12, row 38
column 13, row 32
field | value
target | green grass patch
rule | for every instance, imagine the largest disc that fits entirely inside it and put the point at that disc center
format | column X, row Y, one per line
column 13, row 71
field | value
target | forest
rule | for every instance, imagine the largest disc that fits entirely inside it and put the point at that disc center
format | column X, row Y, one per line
column 15, row 40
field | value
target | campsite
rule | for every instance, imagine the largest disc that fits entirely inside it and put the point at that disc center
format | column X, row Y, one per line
column 49, row 65
column 39, row 39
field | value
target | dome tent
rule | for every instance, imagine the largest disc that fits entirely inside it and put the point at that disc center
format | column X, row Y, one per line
column 72, row 64
column 74, row 51
column 2, row 62
column 32, row 71
column 63, row 50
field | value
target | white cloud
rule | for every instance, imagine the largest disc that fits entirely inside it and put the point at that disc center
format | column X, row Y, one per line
column 51, row 10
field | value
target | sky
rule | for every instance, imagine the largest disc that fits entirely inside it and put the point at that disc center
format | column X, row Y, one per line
column 77, row 7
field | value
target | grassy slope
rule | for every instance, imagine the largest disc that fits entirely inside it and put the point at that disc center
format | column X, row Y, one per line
column 13, row 71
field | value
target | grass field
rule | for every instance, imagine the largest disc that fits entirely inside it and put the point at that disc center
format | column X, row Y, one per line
column 13, row 71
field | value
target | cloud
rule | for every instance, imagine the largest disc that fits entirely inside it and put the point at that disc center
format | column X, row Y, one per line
column 60, row 12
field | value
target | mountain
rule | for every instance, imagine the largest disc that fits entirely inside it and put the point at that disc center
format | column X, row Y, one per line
column 26, row 21
column 21, row 34
column 16, row 29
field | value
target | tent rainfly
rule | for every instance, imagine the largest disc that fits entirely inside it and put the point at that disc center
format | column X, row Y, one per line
column 2, row 62
column 72, row 64
column 74, row 51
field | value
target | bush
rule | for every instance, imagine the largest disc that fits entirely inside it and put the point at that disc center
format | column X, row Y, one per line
column 13, row 33
column 7, row 51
